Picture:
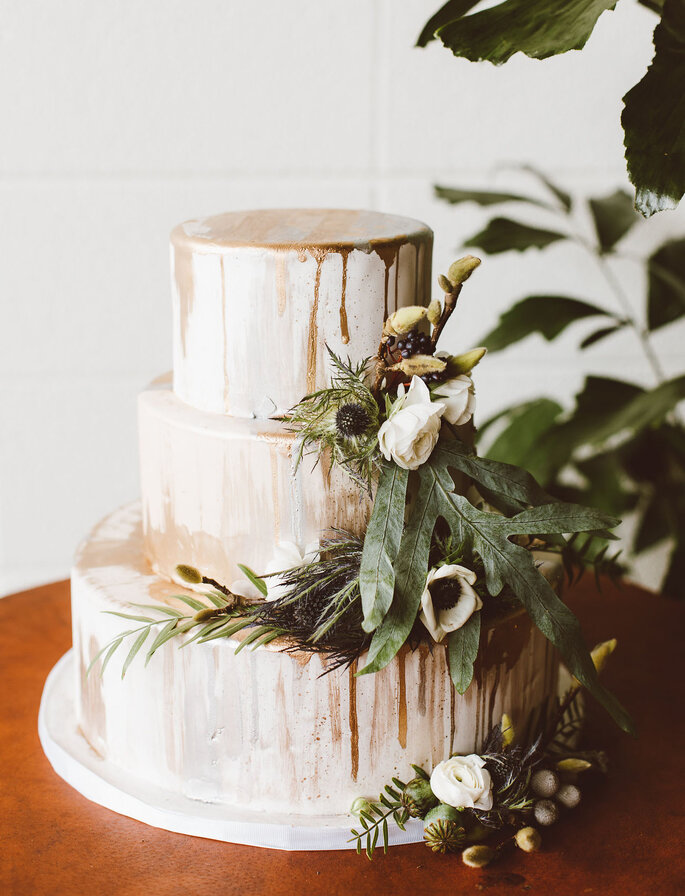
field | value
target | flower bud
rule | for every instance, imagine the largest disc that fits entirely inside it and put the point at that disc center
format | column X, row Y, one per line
column 544, row 782
column 434, row 312
column 361, row 804
column 507, row 727
column 573, row 766
column 461, row 270
column 528, row 839
column 444, row 283
column 208, row 613
column 568, row 795
column 404, row 320
column 417, row 365
column 464, row 363
column 189, row 574
column 601, row 653
column 478, row 856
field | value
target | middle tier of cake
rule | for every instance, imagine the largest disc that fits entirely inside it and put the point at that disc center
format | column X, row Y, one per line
column 218, row 490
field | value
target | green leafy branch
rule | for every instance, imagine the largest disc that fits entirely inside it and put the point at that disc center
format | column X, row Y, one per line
column 653, row 110
column 624, row 444
column 219, row 619
column 374, row 815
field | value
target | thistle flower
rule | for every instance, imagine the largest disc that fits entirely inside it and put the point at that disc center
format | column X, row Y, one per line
column 352, row 420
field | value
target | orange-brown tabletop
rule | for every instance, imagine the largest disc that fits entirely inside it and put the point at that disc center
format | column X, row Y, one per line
column 625, row 838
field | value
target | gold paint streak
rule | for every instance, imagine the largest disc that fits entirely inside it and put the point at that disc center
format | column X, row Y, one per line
column 344, row 329
column 313, row 335
column 354, row 727
column 183, row 276
column 388, row 252
column 402, row 714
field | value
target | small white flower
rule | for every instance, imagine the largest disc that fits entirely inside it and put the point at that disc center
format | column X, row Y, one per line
column 463, row 782
column 458, row 396
column 441, row 622
column 411, row 431
column 287, row 555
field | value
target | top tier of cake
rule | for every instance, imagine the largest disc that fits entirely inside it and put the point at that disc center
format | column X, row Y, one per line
column 259, row 294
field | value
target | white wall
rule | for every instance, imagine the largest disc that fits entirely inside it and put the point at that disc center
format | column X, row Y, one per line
column 120, row 119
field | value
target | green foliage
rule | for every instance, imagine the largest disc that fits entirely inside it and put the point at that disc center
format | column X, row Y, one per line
column 538, row 28
column 506, row 564
column 462, row 650
column 373, row 816
column 622, row 445
column 653, row 115
column 548, row 315
column 653, row 110
column 315, row 420
column 381, row 545
column 503, row 234
column 666, row 297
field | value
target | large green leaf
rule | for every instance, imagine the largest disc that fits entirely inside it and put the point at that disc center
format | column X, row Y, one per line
column 562, row 196
column 504, row 479
column 508, row 564
column 538, row 28
column 462, row 650
column 644, row 410
column 381, row 544
column 411, row 570
column 602, row 334
column 613, row 215
column 548, row 315
column 452, row 10
column 505, row 235
column 559, row 518
column 666, row 300
column 518, row 442
column 455, row 196
column 653, row 118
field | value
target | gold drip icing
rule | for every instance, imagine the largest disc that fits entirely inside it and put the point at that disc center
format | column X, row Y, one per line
column 402, row 696
column 281, row 281
column 344, row 330
column 354, row 727
column 313, row 334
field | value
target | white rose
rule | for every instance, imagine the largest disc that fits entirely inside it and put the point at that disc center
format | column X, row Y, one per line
column 287, row 555
column 463, row 782
column 441, row 622
column 411, row 431
column 458, row 396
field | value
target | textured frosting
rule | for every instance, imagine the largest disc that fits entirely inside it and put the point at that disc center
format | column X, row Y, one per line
column 264, row 730
column 219, row 490
column 258, row 295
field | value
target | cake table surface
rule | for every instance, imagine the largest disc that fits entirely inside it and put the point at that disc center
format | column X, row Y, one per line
column 625, row 838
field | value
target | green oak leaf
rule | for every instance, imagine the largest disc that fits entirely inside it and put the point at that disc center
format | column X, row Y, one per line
column 666, row 270
column 505, row 235
column 538, row 28
column 381, row 544
column 548, row 315
column 653, row 116
column 613, row 215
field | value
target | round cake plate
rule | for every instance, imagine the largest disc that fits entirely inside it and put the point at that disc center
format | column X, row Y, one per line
column 94, row 777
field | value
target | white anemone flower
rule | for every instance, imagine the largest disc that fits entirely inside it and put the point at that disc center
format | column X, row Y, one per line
column 466, row 602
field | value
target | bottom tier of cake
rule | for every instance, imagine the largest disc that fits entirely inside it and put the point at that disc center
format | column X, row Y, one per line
column 266, row 731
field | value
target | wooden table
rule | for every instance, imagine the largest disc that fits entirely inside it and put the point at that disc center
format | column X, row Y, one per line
column 628, row 837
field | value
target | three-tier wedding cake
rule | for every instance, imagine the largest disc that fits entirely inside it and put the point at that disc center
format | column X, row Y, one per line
column 259, row 746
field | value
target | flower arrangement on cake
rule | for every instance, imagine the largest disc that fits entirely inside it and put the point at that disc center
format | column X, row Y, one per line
column 454, row 543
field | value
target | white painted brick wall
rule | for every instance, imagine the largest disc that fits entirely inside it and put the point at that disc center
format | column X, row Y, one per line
column 120, row 119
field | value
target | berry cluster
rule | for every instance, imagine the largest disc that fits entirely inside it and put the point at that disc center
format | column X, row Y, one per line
column 414, row 343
